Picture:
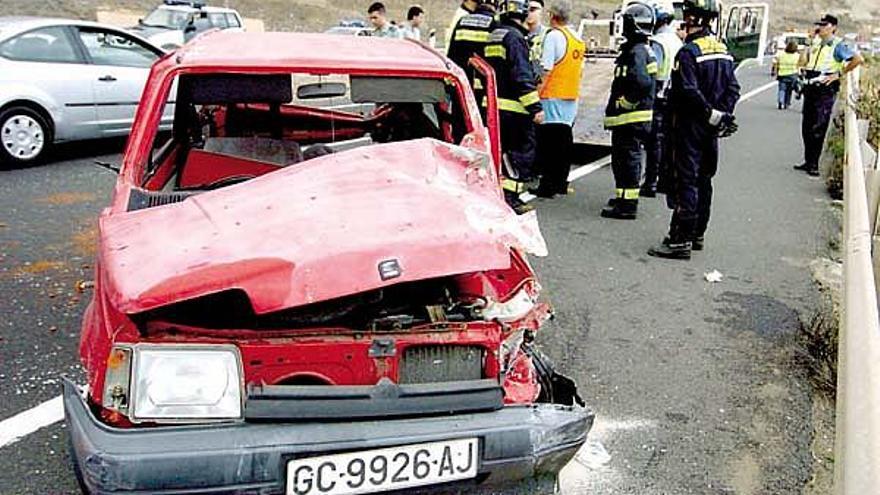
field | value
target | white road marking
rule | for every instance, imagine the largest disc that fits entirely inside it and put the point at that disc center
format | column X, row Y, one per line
column 755, row 92
column 27, row 422
column 575, row 174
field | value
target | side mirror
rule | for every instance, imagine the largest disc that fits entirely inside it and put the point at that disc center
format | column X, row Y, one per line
column 320, row 90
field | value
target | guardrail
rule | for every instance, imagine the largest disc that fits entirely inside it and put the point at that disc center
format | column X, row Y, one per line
column 857, row 436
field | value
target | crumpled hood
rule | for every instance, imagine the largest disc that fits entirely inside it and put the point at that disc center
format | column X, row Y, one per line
column 318, row 230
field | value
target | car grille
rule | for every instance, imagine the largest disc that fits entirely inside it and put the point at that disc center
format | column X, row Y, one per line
column 441, row 363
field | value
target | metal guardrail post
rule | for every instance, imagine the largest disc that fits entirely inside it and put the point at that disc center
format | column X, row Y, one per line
column 857, row 436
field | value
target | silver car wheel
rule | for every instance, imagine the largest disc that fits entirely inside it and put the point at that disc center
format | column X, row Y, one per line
column 22, row 136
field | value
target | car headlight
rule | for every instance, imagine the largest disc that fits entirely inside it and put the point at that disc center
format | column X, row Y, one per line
column 179, row 383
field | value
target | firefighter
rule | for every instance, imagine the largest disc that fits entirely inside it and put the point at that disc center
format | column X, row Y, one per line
column 466, row 7
column 629, row 112
column 657, row 148
column 702, row 98
column 469, row 37
column 518, row 102
column 829, row 58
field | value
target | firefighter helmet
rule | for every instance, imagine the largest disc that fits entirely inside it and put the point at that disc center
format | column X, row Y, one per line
column 516, row 9
column 701, row 10
column 638, row 19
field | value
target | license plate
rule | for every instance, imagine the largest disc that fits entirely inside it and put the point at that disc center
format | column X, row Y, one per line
column 378, row 470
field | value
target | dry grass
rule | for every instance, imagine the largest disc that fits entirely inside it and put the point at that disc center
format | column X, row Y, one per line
column 67, row 198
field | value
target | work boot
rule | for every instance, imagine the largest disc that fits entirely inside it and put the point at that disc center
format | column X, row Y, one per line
column 516, row 204
column 674, row 249
column 648, row 190
column 622, row 209
column 541, row 193
column 802, row 166
column 697, row 244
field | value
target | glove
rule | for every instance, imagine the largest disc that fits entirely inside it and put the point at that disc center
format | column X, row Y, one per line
column 723, row 122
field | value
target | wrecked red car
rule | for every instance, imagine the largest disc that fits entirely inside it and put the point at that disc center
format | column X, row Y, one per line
column 312, row 284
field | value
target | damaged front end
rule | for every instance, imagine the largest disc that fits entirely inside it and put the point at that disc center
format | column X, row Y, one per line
column 444, row 368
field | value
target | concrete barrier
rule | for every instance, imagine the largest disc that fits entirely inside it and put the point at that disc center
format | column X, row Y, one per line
column 857, row 436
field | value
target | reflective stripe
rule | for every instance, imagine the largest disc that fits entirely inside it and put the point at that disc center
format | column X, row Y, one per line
column 714, row 56
column 496, row 51
column 471, row 35
column 625, row 104
column 515, row 186
column 626, row 193
column 478, row 83
column 529, row 98
column 629, row 118
column 651, row 68
column 709, row 45
column 620, row 71
column 507, row 105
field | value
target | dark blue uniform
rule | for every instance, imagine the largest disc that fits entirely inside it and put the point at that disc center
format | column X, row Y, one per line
column 518, row 101
column 702, row 81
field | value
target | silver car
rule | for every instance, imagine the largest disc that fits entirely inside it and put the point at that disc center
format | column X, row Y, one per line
column 66, row 80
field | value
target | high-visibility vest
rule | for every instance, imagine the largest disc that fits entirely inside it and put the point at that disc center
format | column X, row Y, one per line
column 787, row 64
column 822, row 57
column 671, row 43
column 564, row 80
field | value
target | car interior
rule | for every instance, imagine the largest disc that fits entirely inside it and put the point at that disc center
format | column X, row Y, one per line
column 230, row 128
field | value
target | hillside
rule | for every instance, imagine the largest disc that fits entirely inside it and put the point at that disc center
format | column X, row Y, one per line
column 317, row 15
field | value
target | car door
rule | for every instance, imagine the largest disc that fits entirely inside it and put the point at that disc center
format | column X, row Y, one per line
column 43, row 66
column 120, row 65
column 745, row 29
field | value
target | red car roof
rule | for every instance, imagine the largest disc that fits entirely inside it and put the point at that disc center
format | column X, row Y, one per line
column 248, row 50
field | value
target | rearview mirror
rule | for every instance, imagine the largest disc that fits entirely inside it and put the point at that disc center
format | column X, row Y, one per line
column 320, row 90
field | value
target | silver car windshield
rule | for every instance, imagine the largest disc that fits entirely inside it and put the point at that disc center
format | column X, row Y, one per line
column 166, row 18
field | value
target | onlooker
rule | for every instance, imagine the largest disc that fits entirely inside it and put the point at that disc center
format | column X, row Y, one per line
column 785, row 67
column 562, row 61
column 829, row 59
column 414, row 19
column 466, row 7
column 381, row 27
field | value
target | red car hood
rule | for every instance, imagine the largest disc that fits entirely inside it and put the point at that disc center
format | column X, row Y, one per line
column 318, row 230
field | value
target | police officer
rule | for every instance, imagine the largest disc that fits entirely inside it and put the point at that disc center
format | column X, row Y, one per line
column 657, row 148
column 537, row 31
column 630, row 109
column 518, row 102
column 703, row 96
column 828, row 59
column 785, row 67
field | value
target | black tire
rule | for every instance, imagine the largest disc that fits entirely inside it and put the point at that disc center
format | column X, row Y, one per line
column 36, row 136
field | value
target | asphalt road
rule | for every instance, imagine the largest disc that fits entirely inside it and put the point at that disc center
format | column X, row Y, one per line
column 696, row 385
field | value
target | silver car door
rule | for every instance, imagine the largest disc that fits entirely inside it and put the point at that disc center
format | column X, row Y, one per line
column 120, row 66
column 44, row 66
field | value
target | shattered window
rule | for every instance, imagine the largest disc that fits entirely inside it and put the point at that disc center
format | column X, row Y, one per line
column 229, row 128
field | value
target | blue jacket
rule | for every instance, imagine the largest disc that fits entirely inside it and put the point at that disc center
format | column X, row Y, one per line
column 703, row 78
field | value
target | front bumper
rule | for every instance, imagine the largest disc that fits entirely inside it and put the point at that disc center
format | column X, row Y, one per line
column 516, row 442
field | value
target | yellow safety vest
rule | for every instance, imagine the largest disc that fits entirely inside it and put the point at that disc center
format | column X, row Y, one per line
column 787, row 63
column 564, row 80
column 822, row 58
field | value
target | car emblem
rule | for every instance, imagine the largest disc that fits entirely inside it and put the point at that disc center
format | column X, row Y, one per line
column 389, row 269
